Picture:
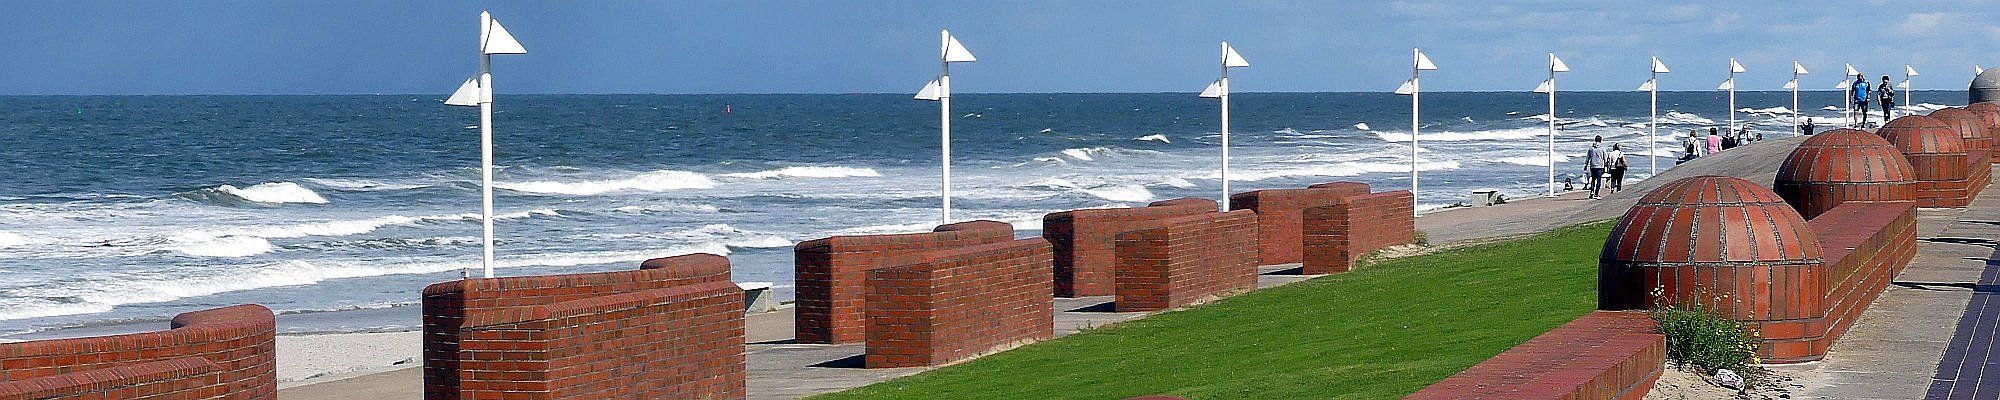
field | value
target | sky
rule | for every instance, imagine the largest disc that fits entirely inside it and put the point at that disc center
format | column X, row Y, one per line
column 381, row 46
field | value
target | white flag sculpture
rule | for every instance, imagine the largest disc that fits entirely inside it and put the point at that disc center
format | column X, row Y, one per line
column 1653, row 128
column 1847, row 103
column 939, row 90
column 478, row 92
column 1413, row 88
column 1797, row 70
column 1909, row 96
column 1730, row 85
column 1978, row 69
column 1220, row 90
column 1549, row 86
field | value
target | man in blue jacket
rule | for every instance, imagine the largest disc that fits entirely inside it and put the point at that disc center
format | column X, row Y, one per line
column 1861, row 98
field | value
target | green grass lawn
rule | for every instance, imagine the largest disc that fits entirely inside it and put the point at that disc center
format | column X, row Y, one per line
column 1382, row 331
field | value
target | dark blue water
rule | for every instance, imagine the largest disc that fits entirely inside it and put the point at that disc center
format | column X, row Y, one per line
column 137, row 208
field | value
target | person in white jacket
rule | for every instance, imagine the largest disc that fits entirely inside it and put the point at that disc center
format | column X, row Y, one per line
column 1616, row 164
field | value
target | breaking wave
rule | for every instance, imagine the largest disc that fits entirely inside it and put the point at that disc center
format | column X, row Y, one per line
column 808, row 172
column 271, row 193
column 656, row 181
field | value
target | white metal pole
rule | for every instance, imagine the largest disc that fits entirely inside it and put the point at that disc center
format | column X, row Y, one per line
column 1224, row 96
column 944, row 132
column 1653, row 135
column 1795, row 100
column 1909, row 91
column 486, row 161
column 1416, row 92
column 1552, row 130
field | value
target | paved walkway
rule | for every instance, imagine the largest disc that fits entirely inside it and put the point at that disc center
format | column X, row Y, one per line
column 1971, row 365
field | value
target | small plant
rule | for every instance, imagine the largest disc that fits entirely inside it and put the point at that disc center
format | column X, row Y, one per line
column 1700, row 336
column 1420, row 239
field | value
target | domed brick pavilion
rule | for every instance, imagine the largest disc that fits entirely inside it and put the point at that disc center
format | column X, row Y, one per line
column 1937, row 152
column 1844, row 165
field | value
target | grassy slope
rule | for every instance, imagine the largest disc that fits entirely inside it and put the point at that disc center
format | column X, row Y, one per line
column 1382, row 331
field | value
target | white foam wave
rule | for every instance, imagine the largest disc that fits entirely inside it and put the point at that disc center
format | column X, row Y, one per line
column 1361, row 125
column 808, row 172
column 1113, row 192
column 100, row 294
column 10, row 239
column 1451, row 136
column 1177, row 182
column 669, row 207
column 656, row 181
column 362, row 184
column 1085, row 154
column 1769, row 110
column 1536, row 160
column 1155, row 137
column 732, row 237
column 274, row 192
column 1336, row 169
column 223, row 246
column 1681, row 118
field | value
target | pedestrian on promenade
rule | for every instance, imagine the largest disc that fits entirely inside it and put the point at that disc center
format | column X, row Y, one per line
column 1887, row 94
column 1689, row 150
column 1617, row 165
column 1861, row 99
column 1594, row 163
column 1808, row 127
column 1714, row 142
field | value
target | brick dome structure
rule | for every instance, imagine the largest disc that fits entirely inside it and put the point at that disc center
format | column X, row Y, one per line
column 1989, row 112
column 1938, row 154
column 1726, row 243
column 1844, row 165
column 1972, row 130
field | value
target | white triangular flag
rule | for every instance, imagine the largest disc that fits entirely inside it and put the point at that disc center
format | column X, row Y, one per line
column 954, row 52
column 1737, row 68
column 1213, row 90
column 1556, row 64
column 1843, row 84
column 1659, row 67
column 1905, row 85
column 1727, row 84
column 1798, row 69
column 1851, row 71
column 1978, row 69
column 468, row 94
column 1424, row 62
column 930, row 92
column 1406, row 89
column 1907, row 71
column 1230, row 59
column 1546, row 86
column 1649, row 85
column 494, row 39
column 1793, row 84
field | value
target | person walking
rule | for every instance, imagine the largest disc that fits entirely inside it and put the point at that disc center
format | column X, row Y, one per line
column 1808, row 128
column 1714, row 142
column 1616, row 163
column 1861, row 99
column 1887, row 94
column 1594, row 165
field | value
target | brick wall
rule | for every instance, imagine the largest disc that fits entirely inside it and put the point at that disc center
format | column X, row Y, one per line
column 1866, row 245
column 227, row 353
column 1603, row 355
column 947, row 305
column 1188, row 259
column 1278, row 213
column 672, row 329
column 1336, row 235
column 832, row 273
column 1084, row 240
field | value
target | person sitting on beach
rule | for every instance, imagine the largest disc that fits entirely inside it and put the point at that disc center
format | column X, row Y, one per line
column 1861, row 98
column 1887, row 93
column 1688, row 149
column 1714, row 141
column 1616, row 164
column 1594, row 164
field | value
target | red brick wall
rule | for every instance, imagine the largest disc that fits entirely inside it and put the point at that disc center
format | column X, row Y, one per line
column 1188, row 259
column 237, row 342
column 1866, row 244
column 1336, row 235
column 947, row 305
column 1603, row 355
column 673, row 329
column 180, row 378
column 1084, row 239
column 831, row 273
column 1278, row 213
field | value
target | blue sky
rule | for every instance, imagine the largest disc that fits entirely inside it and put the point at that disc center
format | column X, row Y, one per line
column 296, row 47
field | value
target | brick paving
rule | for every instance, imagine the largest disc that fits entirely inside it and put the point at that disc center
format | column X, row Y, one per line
column 1969, row 370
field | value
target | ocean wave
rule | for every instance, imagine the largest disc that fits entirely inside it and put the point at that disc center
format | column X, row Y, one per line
column 731, row 236
column 1681, row 118
column 1361, row 126
column 1450, row 136
column 230, row 246
column 1767, row 110
column 362, row 185
column 1112, row 192
column 101, row 294
column 670, row 208
column 1177, row 182
column 1154, row 137
column 10, row 239
column 1336, row 169
column 271, row 193
column 1084, row 154
column 1533, row 161
column 808, row 172
column 656, row 181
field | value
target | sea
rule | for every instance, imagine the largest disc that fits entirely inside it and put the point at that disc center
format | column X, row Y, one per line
column 336, row 211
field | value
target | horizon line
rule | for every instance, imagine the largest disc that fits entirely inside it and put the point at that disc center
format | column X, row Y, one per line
column 443, row 95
